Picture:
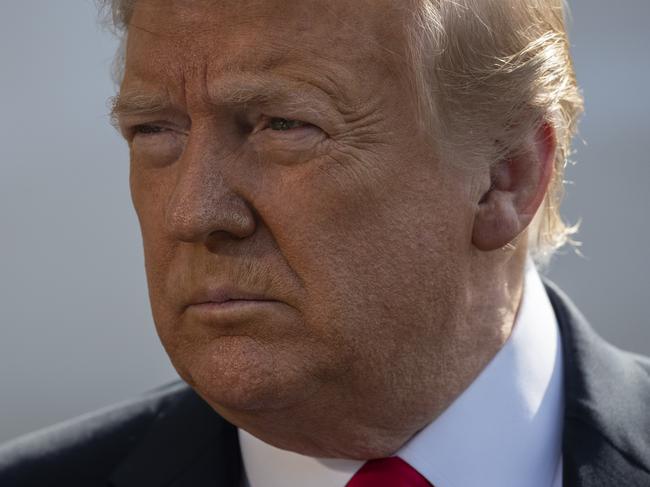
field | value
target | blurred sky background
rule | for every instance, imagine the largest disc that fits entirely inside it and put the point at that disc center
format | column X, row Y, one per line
column 75, row 326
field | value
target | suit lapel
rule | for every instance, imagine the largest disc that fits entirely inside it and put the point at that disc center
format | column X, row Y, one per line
column 188, row 445
column 606, row 440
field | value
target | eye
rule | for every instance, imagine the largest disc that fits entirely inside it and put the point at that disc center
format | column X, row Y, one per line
column 146, row 129
column 284, row 124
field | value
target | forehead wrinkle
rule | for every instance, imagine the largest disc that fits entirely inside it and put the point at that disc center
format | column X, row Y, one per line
column 307, row 63
column 376, row 39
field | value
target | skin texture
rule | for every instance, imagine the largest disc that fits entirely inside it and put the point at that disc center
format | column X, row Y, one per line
column 390, row 288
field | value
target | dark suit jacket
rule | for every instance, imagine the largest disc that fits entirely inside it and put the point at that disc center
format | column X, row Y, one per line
column 170, row 437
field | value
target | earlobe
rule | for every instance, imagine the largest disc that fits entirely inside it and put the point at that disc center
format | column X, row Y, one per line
column 518, row 186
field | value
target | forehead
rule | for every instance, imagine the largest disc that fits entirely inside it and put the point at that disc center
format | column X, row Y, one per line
column 179, row 40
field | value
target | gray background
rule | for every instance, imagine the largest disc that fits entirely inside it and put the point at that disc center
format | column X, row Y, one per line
column 75, row 326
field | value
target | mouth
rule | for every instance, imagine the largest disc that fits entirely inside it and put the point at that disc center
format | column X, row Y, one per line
column 228, row 304
column 232, row 311
column 231, row 303
column 225, row 294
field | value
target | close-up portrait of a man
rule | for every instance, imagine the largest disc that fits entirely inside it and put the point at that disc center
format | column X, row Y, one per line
column 344, row 205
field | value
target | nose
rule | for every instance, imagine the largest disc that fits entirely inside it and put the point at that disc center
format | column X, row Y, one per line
column 203, row 204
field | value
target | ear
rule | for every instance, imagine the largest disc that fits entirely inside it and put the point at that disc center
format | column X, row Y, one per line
column 518, row 186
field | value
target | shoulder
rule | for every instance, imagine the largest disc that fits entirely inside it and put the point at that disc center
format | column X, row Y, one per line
column 607, row 392
column 84, row 450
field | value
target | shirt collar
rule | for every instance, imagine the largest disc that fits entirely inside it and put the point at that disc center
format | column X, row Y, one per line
column 504, row 429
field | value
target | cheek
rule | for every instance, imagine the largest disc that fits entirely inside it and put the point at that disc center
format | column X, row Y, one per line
column 372, row 250
column 148, row 193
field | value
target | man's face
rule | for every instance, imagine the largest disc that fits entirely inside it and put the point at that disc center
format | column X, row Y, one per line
column 275, row 152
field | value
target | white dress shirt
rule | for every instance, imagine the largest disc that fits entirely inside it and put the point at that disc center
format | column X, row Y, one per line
column 504, row 430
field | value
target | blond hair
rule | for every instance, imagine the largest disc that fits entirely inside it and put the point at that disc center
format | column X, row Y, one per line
column 487, row 73
column 491, row 72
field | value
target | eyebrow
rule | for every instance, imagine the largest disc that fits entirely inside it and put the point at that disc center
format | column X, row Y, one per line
column 233, row 90
column 134, row 102
column 254, row 89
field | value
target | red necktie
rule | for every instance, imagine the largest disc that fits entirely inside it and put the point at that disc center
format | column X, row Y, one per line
column 388, row 472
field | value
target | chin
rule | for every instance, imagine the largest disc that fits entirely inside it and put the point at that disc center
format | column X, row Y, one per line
column 239, row 373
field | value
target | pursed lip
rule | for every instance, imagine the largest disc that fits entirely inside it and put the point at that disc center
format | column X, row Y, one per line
column 223, row 294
